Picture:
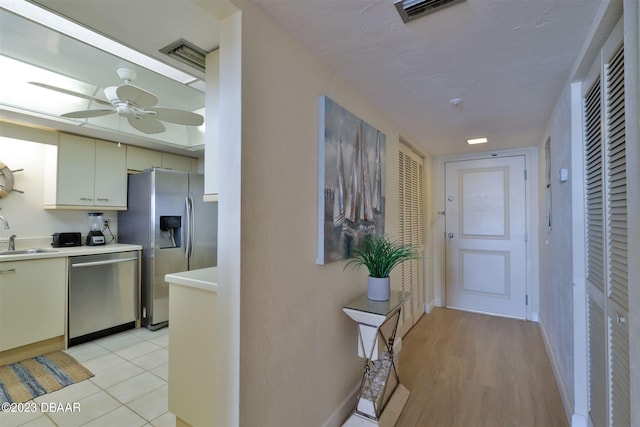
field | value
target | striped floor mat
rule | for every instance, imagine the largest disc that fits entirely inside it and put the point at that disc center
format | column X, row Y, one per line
column 22, row 381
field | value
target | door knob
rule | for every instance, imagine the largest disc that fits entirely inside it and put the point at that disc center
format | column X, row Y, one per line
column 450, row 235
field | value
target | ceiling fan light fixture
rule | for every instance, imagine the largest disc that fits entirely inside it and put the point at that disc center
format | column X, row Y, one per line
column 186, row 52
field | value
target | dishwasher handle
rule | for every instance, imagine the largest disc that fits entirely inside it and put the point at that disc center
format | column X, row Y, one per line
column 110, row 261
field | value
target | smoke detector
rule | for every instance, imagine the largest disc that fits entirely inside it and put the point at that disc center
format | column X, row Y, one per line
column 414, row 9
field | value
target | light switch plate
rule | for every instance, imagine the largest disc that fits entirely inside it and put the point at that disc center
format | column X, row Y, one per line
column 563, row 174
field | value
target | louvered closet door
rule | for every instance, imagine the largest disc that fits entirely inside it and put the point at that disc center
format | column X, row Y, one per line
column 411, row 231
column 617, row 302
column 606, row 222
column 594, row 181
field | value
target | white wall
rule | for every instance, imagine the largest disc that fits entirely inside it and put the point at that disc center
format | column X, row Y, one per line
column 556, row 286
column 24, row 212
column 297, row 348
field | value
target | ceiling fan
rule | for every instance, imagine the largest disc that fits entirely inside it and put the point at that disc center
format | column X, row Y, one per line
column 132, row 102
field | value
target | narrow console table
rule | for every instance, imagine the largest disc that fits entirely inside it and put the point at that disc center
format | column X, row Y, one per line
column 381, row 396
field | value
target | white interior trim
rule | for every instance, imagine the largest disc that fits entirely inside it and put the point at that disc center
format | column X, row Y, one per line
column 580, row 346
column 565, row 391
column 344, row 409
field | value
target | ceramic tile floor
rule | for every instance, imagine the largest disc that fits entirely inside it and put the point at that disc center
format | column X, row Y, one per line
column 129, row 388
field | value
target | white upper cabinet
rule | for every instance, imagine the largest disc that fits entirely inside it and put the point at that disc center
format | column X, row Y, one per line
column 139, row 159
column 176, row 162
column 85, row 173
column 76, row 170
column 110, row 175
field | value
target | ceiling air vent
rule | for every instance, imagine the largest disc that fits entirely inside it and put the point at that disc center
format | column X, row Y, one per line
column 413, row 9
column 187, row 53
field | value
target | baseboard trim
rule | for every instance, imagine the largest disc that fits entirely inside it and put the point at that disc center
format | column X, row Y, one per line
column 579, row 421
column 535, row 317
column 344, row 409
column 31, row 350
column 429, row 307
column 565, row 395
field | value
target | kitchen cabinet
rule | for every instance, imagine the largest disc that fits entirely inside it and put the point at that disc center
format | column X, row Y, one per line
column 139, row 159
column 85, row 173
column 32, row 301
column 110, row 175
column 176, row 162
column 193, row 301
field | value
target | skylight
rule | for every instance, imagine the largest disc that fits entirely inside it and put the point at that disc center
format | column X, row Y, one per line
column 78, row 32
column 31, row 52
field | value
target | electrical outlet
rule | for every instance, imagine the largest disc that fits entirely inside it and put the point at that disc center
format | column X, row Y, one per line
column 106, row 222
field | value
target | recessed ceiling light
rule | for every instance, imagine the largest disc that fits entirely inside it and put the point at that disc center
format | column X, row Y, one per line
column 477, row 141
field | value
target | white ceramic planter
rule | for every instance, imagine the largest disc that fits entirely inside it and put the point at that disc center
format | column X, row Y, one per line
column 378, row 288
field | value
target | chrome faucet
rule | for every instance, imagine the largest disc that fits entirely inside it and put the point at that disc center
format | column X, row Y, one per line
column 12, row 243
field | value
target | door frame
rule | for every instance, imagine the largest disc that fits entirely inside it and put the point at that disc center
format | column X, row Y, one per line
column 532, row 186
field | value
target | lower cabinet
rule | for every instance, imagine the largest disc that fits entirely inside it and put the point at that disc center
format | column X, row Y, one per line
column 32, row 301
column 192, row 353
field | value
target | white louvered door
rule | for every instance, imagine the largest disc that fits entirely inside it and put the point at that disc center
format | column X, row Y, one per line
column 411, row 231
column 617, row 302
column 606, row 222
column 597, row 330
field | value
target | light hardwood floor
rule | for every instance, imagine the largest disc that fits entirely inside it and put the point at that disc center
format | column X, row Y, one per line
column 467, row 369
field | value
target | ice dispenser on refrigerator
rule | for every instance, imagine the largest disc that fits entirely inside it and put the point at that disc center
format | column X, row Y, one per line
column 170, row 232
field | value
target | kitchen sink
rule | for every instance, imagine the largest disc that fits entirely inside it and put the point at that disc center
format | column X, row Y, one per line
column 28, row 251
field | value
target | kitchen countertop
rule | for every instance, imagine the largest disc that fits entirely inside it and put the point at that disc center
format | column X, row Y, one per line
column 204, row 278
column 72, row 251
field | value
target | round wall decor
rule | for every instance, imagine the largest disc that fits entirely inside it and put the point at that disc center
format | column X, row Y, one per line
column 7, row 187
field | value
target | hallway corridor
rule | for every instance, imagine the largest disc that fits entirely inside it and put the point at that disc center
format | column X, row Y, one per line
column 467, row 369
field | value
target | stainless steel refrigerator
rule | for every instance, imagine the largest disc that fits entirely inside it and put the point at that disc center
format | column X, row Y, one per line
column 177, row 231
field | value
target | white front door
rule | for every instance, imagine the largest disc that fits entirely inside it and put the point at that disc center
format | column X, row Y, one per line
column 486, row 236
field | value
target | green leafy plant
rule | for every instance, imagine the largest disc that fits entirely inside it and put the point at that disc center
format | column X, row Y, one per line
column 380, row 255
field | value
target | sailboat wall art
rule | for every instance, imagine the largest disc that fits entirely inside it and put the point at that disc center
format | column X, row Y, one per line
column 351, row 189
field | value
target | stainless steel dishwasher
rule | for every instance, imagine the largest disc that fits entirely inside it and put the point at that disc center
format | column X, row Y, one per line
column 104, row 295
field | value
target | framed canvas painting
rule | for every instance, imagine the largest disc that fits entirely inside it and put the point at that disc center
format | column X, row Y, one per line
column 351, row 184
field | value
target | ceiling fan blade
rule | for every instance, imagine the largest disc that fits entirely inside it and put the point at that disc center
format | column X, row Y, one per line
column 83, row 114
column 146, row 124
column 138, row 96
column 70, row 92
column 180, row 117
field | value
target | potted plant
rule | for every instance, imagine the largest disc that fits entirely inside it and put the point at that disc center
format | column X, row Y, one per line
column 380, row 255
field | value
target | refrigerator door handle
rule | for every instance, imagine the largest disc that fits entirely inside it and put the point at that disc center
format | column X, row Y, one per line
column 187, row 232
column 192, row 226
